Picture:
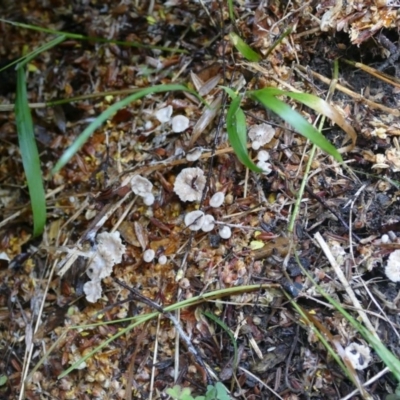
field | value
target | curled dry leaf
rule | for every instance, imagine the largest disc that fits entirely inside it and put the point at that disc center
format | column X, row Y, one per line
column 209, row 113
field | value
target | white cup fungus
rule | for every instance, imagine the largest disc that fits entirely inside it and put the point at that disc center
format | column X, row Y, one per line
column 162, row 259
column 148, row 199
column 261, row 134
column 225, row 232
column 194, row 154
column 189, row 184
column 194, row 220
column 208, row 223
column 359, row 355
column 164, row 114
column 148, row 255
column 217, row 199
column 392, row 269
column 179, row 123
column 263, row 155
column 141, row 186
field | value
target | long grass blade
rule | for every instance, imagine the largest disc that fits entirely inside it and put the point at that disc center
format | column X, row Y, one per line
column 237, row 134
column 243, row 48
column 30, row 154
column 267, row 98
column 90, row 38
column 29, row 57
column 84, row 136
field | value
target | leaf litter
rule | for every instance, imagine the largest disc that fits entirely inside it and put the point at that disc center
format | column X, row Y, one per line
column 242, row 240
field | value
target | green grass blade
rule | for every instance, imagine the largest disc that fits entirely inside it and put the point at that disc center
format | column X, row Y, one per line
column 237, row 134
column 173, row 307
column 231, row 11
column 243, row 48
column 26, row 59
column 84, row 136
column 230, row 334
column 89, row 38
column 390, row 360
column 30, row 155
column 267, row 98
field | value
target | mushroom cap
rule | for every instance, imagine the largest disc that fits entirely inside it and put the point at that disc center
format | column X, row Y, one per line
column 265, row 166
column 194, row 154
column 261, row 134
column 189, row 184
column 392, row 269
column 180, row 123
column 225, row 232
column 359, row 355
column 217, row 199
column 110, row 247
column 148, row 255
column 148, row 199
column 194, row 220
column 162, row 259
column 164, row 114
column 141, row 186
column 208, row 223
column 263, row 155
column 92, row 290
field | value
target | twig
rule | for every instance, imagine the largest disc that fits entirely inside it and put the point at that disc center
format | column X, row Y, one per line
column 139, row 297
column 260, row 382
column 372, row 380
column 325, row 248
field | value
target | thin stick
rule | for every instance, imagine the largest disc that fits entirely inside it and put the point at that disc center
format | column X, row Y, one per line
column 325, row 248
column 372, row 380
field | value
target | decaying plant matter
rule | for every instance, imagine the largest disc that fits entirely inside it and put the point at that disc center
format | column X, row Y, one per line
column 164, row 260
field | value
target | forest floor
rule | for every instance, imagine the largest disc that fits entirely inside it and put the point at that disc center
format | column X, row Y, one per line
column 249, row 334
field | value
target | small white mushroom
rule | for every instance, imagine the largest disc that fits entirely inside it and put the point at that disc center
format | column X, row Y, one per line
column 208, row 223
column 225, row 232
column 148, row 255
column 179, row 123
column 266, row 167
column 92, row 290
column 194, row 154
column 385, row 238
column 110, row 247
column 194, row 220
column 217, row 199
column 141, row 186
column 148, row 199
column 164, row 114
column 189, row 184
column 392, row 269
column 263, row 155
column 358, row 355
column 162, row 259
column 261, row 134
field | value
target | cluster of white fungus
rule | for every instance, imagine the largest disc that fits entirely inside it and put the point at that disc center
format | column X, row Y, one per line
column 392, row 269
column 260, row 135
column 109, row 251
column 189, row 184
column 263, row 157
column 149, row 255
column 179, row 123
column 196, row 220
column 358, row 355
column 143, row 188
